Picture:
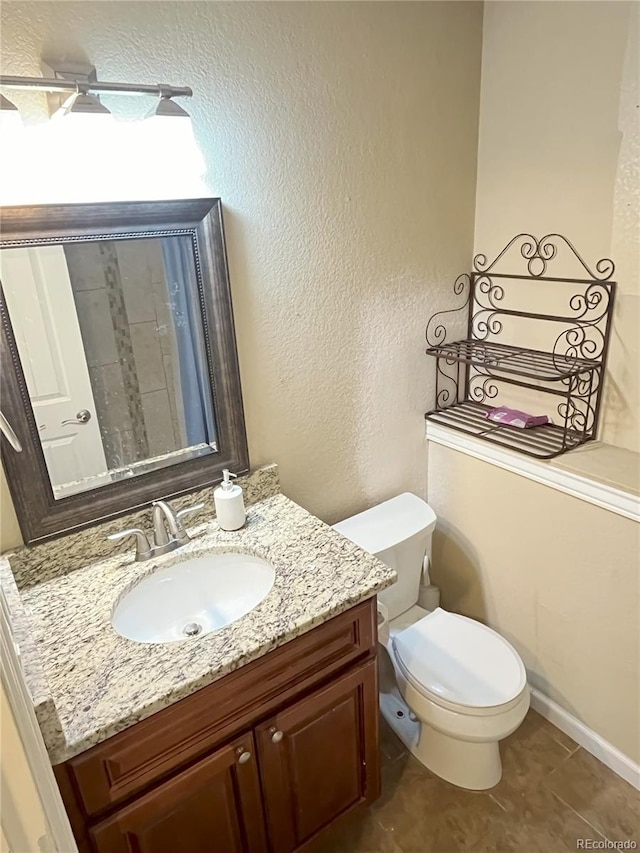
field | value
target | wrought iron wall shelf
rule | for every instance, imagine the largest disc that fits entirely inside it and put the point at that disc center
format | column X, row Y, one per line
column 490, row 363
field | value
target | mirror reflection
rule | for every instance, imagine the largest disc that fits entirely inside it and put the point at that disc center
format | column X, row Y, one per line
column 110, row 336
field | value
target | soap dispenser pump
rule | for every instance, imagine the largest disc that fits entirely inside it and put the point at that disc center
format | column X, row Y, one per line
column 229, row 503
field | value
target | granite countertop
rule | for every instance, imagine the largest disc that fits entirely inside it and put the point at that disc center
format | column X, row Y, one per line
column 88, row 682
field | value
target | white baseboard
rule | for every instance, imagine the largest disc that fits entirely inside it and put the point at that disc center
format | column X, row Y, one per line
column 604, row 751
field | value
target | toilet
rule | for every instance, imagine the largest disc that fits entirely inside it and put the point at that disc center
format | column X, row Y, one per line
column 450, row 687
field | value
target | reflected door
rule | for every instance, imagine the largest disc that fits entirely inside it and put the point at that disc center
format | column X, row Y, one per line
column 38, row 292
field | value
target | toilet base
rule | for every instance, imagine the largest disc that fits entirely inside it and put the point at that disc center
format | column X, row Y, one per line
column 471, row 765
column 400, row 719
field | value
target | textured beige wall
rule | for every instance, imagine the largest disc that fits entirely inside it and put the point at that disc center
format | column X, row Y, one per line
column 342, row 138
column 558, row 148
column 556, row 576
column 559, row 151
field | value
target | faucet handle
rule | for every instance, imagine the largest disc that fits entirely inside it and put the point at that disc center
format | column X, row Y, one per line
column 143, row 549
column 189, row 509
column 182, row 536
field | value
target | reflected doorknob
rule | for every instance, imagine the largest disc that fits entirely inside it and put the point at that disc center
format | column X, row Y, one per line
column 82, row 417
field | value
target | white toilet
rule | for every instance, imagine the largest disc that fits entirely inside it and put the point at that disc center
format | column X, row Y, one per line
column 450, row 688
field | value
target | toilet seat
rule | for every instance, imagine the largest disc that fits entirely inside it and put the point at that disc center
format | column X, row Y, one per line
column 460, row 664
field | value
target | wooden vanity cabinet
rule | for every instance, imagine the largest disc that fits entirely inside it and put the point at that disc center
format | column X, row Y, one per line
column 261, row 761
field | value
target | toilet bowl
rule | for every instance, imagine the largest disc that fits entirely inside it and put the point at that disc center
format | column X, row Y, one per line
column 450, row 687
column 465, row 685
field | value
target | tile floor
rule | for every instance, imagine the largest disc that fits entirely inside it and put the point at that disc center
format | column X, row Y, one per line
column 552, row 794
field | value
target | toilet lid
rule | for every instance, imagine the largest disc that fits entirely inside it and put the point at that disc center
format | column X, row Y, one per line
column 460, row 660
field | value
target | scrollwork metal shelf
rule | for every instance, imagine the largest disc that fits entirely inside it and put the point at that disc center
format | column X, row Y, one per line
column 571, row 331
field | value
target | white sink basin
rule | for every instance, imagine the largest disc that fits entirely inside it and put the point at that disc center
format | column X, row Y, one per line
column 193, row 598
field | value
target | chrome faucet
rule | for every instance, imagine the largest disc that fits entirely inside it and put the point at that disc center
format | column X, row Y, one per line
column 168, row 531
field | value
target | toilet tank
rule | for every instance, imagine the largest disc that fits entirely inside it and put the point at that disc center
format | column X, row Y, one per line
column 398, row 532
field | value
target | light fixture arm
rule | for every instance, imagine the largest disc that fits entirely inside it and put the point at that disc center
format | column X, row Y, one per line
column 50, row 84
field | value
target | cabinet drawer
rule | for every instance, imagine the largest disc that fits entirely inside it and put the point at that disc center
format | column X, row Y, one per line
column 115, row 770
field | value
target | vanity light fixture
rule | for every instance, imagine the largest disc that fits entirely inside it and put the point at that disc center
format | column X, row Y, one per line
column 166, row 107
column 83, row 90
column 83, row 102
column 9, row 115
column 6, row 104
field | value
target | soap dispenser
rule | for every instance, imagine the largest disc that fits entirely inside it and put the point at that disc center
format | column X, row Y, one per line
column 229, row 502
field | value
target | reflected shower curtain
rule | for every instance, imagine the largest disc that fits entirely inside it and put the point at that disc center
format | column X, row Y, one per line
column 184, row 304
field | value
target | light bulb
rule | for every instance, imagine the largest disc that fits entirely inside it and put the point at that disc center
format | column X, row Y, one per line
column 173, row 155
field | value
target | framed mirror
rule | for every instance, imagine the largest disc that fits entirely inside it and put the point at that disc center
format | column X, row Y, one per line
column 119, row 365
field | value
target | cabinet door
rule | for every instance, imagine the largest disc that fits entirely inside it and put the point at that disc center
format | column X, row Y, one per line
column 319, row 758
column 213, row 807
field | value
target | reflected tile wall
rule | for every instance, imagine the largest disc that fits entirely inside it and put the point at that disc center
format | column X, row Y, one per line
column 157, row 416
column 127, row 327
column 102, row 315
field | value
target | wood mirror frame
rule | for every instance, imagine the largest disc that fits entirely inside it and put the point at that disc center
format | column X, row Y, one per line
column 40, row 515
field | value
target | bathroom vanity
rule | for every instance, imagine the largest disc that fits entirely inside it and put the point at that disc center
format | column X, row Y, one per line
column 253, row 737
column 262, row 760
